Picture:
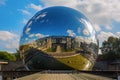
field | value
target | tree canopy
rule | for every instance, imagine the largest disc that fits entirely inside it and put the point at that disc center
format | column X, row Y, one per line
column 5, row 56
column 111, row 49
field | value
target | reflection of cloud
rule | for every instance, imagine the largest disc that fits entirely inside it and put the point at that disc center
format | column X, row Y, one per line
column 71, row 33
column 79, row 30
column 38, row 35
column 87, row 25
column 41, row 15
column 27, row 30
column 26, row 39
column 86, row 39
column 29, row 23
column 31, row 35
column 86, row 32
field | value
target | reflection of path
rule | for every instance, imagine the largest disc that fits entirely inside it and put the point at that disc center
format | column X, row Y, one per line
column 43, row 49
column 58, row 49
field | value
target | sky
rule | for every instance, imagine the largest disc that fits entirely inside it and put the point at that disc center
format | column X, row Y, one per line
column 14, row 14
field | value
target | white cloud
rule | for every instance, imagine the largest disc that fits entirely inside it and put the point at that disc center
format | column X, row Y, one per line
column 71, row 3
column 35, row 7
column 24, row 11
column 71, row 33
column 100, row 12
column 108, row 27
column 103, row 36
column 24, row 21
column 5, row 35
column 97, row 27
column 2, row 2
column 117, row 34
column 9, row 40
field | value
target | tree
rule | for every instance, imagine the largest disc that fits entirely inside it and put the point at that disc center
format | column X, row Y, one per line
column 5, row 56
column 111, row 49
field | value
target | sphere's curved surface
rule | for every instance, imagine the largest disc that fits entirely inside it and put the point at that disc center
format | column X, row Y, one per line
column 58, row 38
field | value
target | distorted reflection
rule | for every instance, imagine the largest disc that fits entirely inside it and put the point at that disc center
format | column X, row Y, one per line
column 59, row 38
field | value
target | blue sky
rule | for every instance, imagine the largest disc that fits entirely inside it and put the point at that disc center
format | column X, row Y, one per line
column 103, row 14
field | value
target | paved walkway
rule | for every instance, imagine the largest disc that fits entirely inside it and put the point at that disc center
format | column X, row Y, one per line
column 54, row 76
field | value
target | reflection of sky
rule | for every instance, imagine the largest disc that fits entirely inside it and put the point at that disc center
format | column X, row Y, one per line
column 57, row 21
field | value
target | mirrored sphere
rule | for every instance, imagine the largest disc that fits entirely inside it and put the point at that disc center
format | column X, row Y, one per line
column 58, row 38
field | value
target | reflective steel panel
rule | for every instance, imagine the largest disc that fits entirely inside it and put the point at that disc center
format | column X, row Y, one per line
column 59, row 38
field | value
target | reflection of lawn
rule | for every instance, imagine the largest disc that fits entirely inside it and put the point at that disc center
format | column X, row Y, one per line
column 77, row 62
column 62, row 49
column 51, row 50
column 66, row 50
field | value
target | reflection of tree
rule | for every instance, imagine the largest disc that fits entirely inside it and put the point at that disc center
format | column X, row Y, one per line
column 30, row 53
column 24, row 47
column 17, row 55
column 88, row 50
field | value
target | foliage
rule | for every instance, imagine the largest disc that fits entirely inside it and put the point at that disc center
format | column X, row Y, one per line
column 111, row 49
column 17, row 55
column 5, row 56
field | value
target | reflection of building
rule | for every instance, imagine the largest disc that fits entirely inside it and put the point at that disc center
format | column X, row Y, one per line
column 33, row 44
column 65, row 42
